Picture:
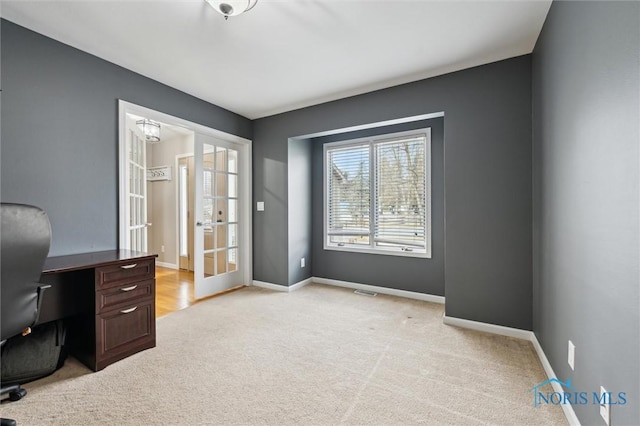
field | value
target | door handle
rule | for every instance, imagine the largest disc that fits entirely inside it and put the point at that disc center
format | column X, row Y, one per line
column 203, row 224
column 126, row 311
column 133, row 287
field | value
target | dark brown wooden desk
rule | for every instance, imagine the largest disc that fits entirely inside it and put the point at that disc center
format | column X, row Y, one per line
column 107, row 299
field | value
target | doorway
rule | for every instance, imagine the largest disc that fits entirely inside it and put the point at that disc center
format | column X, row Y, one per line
column 186, row 198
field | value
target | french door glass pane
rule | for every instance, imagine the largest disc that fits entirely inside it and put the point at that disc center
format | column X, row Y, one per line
column 221, row 239
column 209, row 264
column 222, row 261
column 221, row 207
column 233, row 161
column 233, row 186
column 233, row 210
column 233, row 260
column 208, row 239
column 207, row 215
column 221, row 159
column 233, row 236
column 221, row 185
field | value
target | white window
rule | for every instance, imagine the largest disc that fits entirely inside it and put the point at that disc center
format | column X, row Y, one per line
column 377, row 196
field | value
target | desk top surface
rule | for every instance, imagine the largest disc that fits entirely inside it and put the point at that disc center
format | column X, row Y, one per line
column 74, row 262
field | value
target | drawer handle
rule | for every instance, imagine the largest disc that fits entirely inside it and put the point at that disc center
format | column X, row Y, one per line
column 126, row 311
column 133, row 287
column 133, row 265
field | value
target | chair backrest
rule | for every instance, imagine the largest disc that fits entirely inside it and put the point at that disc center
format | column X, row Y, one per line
column 25, row 236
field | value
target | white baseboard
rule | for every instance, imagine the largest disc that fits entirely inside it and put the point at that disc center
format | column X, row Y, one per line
column 270, row 286
column 300, row 284
column 167, row 265
column 284, row 288
column 519, row 334
column 566, row 408
column 488, row 328
column 382, row 290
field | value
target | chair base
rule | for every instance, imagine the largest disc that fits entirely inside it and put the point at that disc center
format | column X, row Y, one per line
column 16, row 393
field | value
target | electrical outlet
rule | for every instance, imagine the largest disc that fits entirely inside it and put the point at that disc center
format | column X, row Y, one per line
column 260, row 206
column 162, row 249
column 605, row 405
column 572, row 355
column 302, row 262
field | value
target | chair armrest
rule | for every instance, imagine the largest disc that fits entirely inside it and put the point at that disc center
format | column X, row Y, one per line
column 41, row 289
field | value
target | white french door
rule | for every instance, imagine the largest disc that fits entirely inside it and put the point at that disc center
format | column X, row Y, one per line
column 219, row 209
column 136, row 190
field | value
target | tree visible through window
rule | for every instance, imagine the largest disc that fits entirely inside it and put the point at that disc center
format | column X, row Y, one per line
column 377, row 195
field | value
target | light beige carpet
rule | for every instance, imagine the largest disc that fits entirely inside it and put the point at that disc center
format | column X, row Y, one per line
column 317, row 356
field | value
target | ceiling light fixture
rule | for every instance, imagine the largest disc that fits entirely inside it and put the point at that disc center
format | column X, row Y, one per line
column 151, row 130
column 232, row 7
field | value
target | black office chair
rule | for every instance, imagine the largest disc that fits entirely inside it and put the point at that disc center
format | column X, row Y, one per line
column 25, row 240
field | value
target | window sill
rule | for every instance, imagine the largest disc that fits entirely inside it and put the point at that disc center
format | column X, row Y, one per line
column 366, row 250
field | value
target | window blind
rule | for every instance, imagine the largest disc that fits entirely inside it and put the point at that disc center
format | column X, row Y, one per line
column 400, row 215
column 349, row 198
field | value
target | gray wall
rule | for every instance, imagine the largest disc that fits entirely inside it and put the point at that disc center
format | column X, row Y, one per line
column 300, row 213
column 418, row 274
column 586, row 80
column 487, row 182
column 59, row 133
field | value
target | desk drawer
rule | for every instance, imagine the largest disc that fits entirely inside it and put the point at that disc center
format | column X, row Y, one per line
column 127, row 294
column 124, row 273
column 124, row 331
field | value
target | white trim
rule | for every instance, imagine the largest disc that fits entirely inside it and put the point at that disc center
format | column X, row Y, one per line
column 167, row 265
column 123, row 209
column 177, row 202
column 567, row 409
column 283, row 288
column 368, row 250
column 373, row 125
column 128, row 107
column 300, row 284
column 382, row 290
column 125, row 107
column 371, row 142
column 488, row 328
column 270, row 286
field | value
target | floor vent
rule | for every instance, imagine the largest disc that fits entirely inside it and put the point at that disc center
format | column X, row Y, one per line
column 365, row 293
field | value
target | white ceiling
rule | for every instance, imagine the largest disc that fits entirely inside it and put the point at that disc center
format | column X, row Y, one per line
column 288, row 54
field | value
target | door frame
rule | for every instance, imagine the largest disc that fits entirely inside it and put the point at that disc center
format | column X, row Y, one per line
column 246, row 189
column 180, row 157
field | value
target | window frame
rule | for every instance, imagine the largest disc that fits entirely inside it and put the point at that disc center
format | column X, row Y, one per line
column 372, row 141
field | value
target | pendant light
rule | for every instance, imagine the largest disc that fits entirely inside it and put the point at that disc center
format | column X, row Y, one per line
column 151, row 130
column 232, row 7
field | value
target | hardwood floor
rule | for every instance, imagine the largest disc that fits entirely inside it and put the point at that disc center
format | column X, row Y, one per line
column 174, row 290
